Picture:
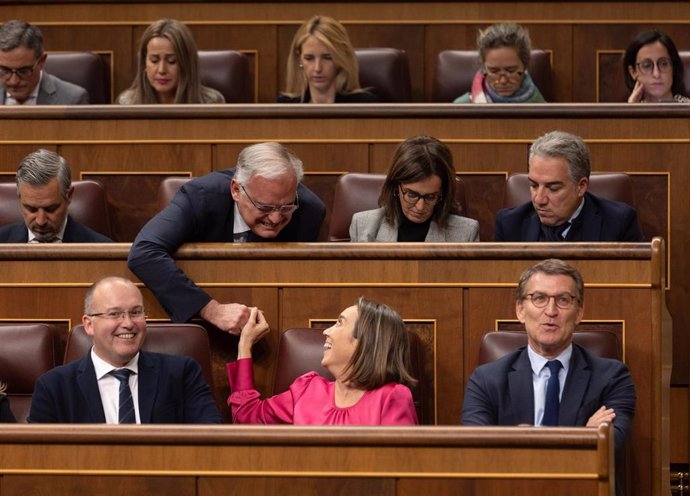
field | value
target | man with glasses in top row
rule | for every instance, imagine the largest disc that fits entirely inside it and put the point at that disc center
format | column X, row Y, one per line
column 262, row 199
column 21, row 70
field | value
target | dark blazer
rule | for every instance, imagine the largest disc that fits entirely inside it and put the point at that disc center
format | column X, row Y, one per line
column 501, row 392
column 55, row 91
column 357, row 97
column 74, row 233
column 171, row 391
column 5, row 412
column 203, row 211
column 602, row 220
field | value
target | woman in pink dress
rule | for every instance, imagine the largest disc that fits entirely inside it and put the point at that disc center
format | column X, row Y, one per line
column 366, row 351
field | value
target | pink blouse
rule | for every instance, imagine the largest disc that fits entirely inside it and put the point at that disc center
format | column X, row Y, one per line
column 310, row 401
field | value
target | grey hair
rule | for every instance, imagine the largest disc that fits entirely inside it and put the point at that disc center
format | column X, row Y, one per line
column 269, row 160
column 505, row 35
column 40, row 167
column 17, row 33
column 559, row 144
column 88, row 298
column 552, row 267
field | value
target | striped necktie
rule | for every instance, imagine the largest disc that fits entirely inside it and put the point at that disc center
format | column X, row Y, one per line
column 126, row 410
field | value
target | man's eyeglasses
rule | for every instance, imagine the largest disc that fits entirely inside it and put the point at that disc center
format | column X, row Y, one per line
column 563, row 301
column 268, row 209
column 412, row 197
column 496, row 73
column 22, row 72
column 136, row 314
column 646, row 66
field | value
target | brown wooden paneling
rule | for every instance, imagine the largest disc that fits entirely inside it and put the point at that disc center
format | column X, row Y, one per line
column 56, row 485
column 337, row 486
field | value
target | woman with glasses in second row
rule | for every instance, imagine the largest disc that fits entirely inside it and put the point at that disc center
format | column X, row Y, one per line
column 504, row 50
column 417, row 199
column 653, row 70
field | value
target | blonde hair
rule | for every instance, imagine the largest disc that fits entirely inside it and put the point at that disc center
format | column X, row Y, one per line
column 334, row 36
column 189, row 87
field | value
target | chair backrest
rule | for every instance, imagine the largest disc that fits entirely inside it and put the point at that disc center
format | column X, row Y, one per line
column 227, row 71
column 169, row 188
column 357, row 192
column 88, row 206
column 612, row 186
column 455, row 70
column 85, row 69
column 27, row 351
column 173, row 339
column 386, row 71
column 300, row 350
column 494, row 345
column 617, row 89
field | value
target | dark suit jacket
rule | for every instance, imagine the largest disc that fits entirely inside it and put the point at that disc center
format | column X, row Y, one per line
column 5, row 412
column 358, row 97
column 203, row 211
column 171, row 391
column 602, row 220
column 55, row 91
column 74, row 233
column 501, row 392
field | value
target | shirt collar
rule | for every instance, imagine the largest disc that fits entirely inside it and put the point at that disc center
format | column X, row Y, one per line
column 238, row 225
column 538, row 362
column 58, row 239
column 103, row 368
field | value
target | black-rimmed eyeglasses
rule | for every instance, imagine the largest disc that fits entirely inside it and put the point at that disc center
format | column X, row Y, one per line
column 268, row 209
column 21, row 72
column 411, row 197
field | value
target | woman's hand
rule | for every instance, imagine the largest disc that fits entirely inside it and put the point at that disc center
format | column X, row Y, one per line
column 637, row 94
column 255, row 328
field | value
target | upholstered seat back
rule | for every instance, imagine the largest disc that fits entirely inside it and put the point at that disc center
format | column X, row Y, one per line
column 169, row 188
column 88, row 206
column 497, row 344
column 26, row 352
column 386, row 71
column 455, row 70
column 85, row 69
column 173, row 339
column 229, row 72
column 612, row 186
column 357, row 192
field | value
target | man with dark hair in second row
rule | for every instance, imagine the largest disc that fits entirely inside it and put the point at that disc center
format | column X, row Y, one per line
column 44, row 189
column 21, row 70
column 561, row 208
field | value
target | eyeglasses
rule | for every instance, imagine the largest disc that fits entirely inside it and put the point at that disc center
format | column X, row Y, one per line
column 412, row 197
column 563, row 301
column 646, row 66
column 496, row 73
column 136, row 314
column 21, row 72
column 267, row 209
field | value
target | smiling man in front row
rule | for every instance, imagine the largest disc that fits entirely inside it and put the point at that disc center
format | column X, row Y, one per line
column 262, row 199
column 561, row 209
column 116, row 382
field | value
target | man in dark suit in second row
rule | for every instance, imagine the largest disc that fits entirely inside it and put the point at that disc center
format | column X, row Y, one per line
column 115, row 382
column 561, row 208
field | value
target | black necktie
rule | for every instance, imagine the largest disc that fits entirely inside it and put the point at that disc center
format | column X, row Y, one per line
column 126, row 410
column 553, row 390
column 554, row 233
column 240, row 237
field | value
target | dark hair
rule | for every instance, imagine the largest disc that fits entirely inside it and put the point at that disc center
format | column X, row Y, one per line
column 17, row 33
column 552, row 267
column 415, row 159
column 382, row 354
column 647, row 38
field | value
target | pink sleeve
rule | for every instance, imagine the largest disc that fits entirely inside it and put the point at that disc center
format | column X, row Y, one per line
column 398, row 407
column 249, row 408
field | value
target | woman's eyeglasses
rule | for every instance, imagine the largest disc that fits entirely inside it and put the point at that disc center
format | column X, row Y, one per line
column 646, row 66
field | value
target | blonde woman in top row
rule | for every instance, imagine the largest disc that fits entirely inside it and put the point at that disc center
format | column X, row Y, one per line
column 168, row 68
column 417, row 199
column 322, row 66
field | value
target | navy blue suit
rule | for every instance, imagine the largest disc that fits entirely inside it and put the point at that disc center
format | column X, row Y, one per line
column 502, row 393
column 203, row 211
column 74, row 233
column 171, row 391
column 599, row 220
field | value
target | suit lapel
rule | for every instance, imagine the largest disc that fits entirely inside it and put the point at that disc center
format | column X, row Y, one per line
column 591, row 220
column 88, row 386
column 575, row 387
column 521, row 390
column 531, row 227
column 46, row 91
column 148, row 386
column 435, row 234
column 387, row 232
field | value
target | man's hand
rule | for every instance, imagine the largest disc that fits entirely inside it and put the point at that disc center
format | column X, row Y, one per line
column 229, row 317
column 600, row 416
